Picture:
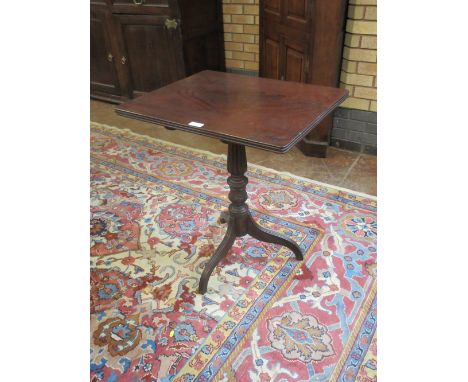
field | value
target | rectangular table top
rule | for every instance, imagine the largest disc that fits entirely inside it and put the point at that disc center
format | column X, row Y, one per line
column 258, row 112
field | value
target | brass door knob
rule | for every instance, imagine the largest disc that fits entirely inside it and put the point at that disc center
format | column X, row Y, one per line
column 110, row 57
column 171, row 23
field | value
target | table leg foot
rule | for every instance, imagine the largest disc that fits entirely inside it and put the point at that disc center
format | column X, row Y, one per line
column 263, row 234
column 220, row 252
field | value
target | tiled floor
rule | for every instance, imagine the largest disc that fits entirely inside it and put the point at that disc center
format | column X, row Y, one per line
column 342, row 168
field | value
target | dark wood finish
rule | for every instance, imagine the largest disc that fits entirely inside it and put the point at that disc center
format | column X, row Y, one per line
column 153, row 52
column 241, row 111
column 239, row 220
column 259, row 112
column 103, row 74
column 152, row 44
column 302, row 41
column 202, row 35
column 155, row 7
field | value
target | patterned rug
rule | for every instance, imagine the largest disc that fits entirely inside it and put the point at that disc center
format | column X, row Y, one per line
column 265, row 317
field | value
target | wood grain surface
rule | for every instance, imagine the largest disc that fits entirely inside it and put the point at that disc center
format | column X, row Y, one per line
column 258, row 112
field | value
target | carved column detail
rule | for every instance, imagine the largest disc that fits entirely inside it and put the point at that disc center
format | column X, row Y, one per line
column 237, row 166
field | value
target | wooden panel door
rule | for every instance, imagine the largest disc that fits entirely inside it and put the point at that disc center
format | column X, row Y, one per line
column 151, row 51
column 285, row 40
column 273, row 9
column 270, row 49
column 102, row 69
column 271, row 62
column 296, row 60
column 296, row 14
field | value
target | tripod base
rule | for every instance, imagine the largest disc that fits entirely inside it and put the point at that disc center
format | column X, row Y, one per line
column 239, row 219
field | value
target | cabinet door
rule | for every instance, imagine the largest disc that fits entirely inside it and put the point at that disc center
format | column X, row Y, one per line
column 151, row 51
column 138, row 7
column 102, row 68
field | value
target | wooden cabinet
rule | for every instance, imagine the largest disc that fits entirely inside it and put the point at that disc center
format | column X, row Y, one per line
column 302, row 40
column 103, row 74
column 152, row 53
column 140, row 45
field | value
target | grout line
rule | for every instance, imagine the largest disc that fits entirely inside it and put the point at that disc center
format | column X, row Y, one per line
column 350, row 169
column 324, row 162
column 261, row 161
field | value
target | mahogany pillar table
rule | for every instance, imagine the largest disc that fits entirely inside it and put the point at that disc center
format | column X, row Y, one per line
column 241, row 111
